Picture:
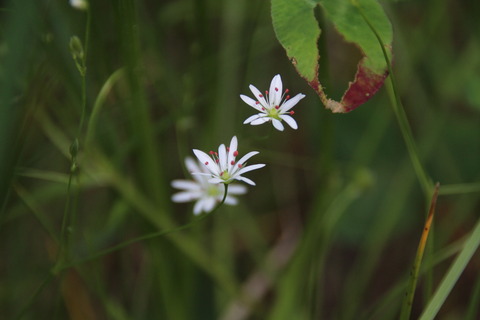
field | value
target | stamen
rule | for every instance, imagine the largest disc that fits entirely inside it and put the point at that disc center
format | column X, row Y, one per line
column 240, row 165
column 276, row 89
column 260, row 95
column 266, row 92
column 292, row 112
column 263, row 109
column 206, row 163
column 257, row 102
column 235, row 153
column 286, row 90
column 211, row 153
column 217, row 160
column 287, row 97
column 232, row 162
column 276, row 107
column 228, row 149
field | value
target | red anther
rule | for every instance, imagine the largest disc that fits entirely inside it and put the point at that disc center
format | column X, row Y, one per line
column 260, row 95
column 228, row 149
column 235, row 153
column 276, row 107
column 292, row 112
column 257, row 102
column 240, row 165
column 206, row 163
column 217, row 160
column 221, row 174
column 212, row 153
column 232, row 162
column 287, row 97
column 266, row 91
column 276, row 89
column 263, row 109
column 286, row 90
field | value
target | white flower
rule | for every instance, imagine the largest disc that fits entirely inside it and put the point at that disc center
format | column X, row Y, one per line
column 222, row 166
column 206, row 194
column 79, row 4
column 272, row 106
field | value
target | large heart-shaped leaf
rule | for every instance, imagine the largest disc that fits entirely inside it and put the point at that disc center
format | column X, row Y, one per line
column 298, row 32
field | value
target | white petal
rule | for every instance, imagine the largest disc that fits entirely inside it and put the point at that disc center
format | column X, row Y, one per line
column 246, row 180
column 290, row 121
column 247, row 156
column 233, row 147
column 252, row 103
column 259, row 96
column 277, row 124
column 253, row 118
column 195, row 166
column 275, row 93
column 216, row 180
column 185, row 185
column 206, row 160
column 232, row 201
column 198, row 207
column 236, row 189
column 208, row 204
column 186, row 196
column 250, row 168
column 261, row 120
column 192, row 165
column 290, row 103
column 222, row 157
column 203, row 174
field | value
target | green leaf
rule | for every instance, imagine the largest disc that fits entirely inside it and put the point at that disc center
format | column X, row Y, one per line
column 297, row 30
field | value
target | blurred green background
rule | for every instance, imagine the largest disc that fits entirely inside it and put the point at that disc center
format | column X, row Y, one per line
column 329, row 231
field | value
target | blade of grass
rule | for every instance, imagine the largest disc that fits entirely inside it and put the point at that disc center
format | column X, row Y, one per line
column 456, row 269
column 412, row 283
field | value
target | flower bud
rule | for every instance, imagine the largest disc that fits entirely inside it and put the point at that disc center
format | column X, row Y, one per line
column 76, row 48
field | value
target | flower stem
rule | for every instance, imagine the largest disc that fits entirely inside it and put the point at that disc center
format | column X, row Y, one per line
column 400, row 114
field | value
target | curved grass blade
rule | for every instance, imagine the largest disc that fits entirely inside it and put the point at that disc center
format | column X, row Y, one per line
column 412, row 283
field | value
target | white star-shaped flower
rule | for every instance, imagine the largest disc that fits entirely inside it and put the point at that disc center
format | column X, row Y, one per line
column 222, row 166
column 206, row 194
column 274, row 106
column 79, row 4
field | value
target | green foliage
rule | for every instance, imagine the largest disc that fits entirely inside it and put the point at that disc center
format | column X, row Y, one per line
column 90, row 145
column 298, row 32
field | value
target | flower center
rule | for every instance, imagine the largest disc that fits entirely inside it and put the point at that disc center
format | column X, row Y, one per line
column 213, row 190
column 225, row 175
column 273, row 113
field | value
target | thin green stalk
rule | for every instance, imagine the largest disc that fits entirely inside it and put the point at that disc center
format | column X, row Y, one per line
column 79, row 54
column 457, row 268
column 83, row 74
column 65, row 221
column 412, row 283
column 144, row 237
column 460, row 188
column 97, row 106
column 399, row 110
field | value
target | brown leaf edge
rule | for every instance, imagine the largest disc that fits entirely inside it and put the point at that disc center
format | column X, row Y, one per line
column 362, row 89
